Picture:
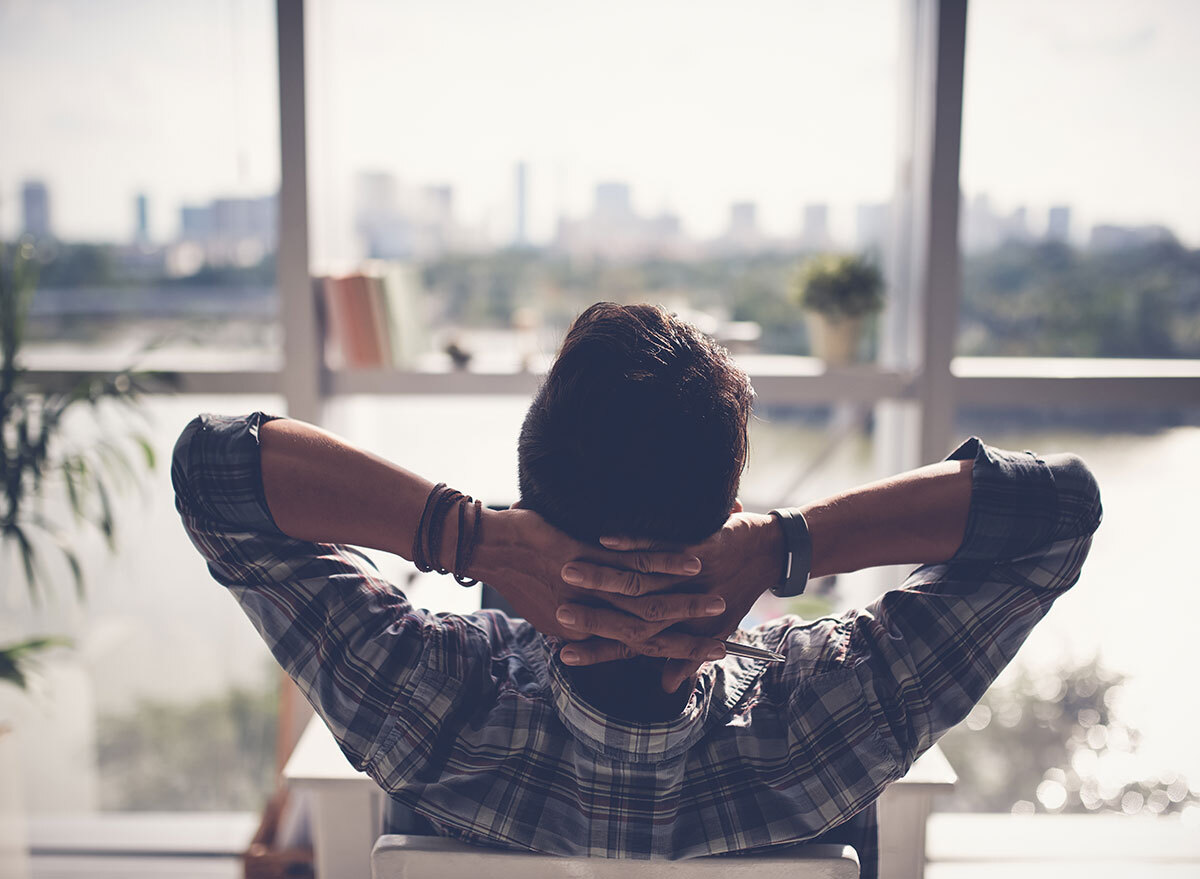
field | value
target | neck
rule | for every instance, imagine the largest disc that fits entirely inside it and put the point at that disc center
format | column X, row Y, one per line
column 631, row 689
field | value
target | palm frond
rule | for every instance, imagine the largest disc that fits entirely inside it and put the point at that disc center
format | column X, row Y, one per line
column 36, row 457
column 107, row 521
column 16, row 531
column 115, row 461
column 74, row 470
column 147, row 450
column 65, row 549
column 15, row 657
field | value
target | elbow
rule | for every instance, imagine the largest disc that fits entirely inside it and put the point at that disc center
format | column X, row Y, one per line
column 181, row 463
column 1079, row 506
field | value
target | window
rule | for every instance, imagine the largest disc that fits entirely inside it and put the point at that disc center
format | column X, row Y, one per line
column 141, row 156
column 1093, row 693
column 166, row 699
column 527, row 159
column 1076, row 224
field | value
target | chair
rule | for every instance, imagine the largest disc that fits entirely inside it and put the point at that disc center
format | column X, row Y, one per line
column 431, row 857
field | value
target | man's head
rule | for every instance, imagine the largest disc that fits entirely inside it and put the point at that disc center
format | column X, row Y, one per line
column 640, row 428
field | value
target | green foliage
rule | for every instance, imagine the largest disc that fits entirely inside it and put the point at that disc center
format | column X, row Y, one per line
column 1054, row 743
column 15, row 657
column 484, row 290
column 35, row 452
column 75, row 265
column 1018, row 300
column 840, row 285
column 1050, row 300
column 80, row 264
column 216, row 753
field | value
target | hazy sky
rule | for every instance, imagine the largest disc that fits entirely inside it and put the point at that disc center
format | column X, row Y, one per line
column 695, row 104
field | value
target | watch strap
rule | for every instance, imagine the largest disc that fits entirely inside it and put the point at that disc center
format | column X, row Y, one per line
column 798, row 562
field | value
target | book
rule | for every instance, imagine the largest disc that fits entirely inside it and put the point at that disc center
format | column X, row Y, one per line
column 373, row 318
column 407, row 331
column 355, row 324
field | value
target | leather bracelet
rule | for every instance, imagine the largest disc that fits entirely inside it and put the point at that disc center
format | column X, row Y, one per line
column 798, row 563
column 440, row 504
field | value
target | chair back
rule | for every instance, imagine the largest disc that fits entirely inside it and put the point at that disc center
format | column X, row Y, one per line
column 432, row 857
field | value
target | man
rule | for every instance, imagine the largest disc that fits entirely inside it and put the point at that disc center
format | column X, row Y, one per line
column 590, row 726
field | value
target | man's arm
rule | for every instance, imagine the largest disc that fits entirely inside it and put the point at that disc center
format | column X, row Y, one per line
column 923, row 655
column 914, row 518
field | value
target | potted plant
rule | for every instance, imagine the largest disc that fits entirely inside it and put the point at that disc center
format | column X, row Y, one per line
column 837, row 293
column 39, row 458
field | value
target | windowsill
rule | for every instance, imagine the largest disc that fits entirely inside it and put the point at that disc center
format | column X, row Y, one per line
column 1073, row 367
column 777, row 379
column 65, row 358
column 120, row 834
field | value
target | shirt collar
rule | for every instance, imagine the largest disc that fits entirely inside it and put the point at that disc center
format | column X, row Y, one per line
column 719, row 688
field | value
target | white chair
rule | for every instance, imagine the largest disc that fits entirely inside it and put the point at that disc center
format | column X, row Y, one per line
column 431, row 857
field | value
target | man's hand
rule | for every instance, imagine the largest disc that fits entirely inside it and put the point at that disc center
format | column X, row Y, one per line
column 739, row 562
column 535, row 566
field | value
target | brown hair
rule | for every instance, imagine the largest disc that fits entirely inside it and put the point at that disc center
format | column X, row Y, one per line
column 640, row 428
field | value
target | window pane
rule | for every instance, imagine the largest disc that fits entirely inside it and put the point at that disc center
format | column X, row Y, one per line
column 527, row 159
column 166, row 700
column 141, row 155
column 1078, row 230
column 1094, row 701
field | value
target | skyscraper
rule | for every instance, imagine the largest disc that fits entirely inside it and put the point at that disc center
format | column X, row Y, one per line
column 612, row 203
column 142, row 230
column 743, row 219
column 521, row 233
column 1058, row 223
column 814, row 234
column 742, row 235
column 35, row 209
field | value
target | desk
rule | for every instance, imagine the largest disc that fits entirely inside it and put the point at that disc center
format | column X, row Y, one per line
column 347, row 809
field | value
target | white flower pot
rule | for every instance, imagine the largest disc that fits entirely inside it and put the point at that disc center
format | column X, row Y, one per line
column 834, row 339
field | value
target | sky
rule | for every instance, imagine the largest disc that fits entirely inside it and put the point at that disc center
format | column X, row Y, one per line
column 694, row 104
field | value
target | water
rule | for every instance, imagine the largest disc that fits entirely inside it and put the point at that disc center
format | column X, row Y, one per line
column 155, row 624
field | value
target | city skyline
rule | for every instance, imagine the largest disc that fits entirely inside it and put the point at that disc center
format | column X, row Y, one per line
column 191, row 117
column 394, row 221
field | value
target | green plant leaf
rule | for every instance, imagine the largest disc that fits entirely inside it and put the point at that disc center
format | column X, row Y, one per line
column 14, row 657
column 28, row 557
column 68, row 553
column 70, row 466
column 115, row 460
column 32, row 424
column 107, row 523
column 147, row 451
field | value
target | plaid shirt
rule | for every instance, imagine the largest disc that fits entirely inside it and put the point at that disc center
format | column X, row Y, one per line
column 472, row 722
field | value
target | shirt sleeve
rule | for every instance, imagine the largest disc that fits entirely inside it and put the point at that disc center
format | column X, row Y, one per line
column 374, row 668
column 924, row 654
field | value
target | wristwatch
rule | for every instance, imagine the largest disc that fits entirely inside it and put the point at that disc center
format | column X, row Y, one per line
column 799, row 553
